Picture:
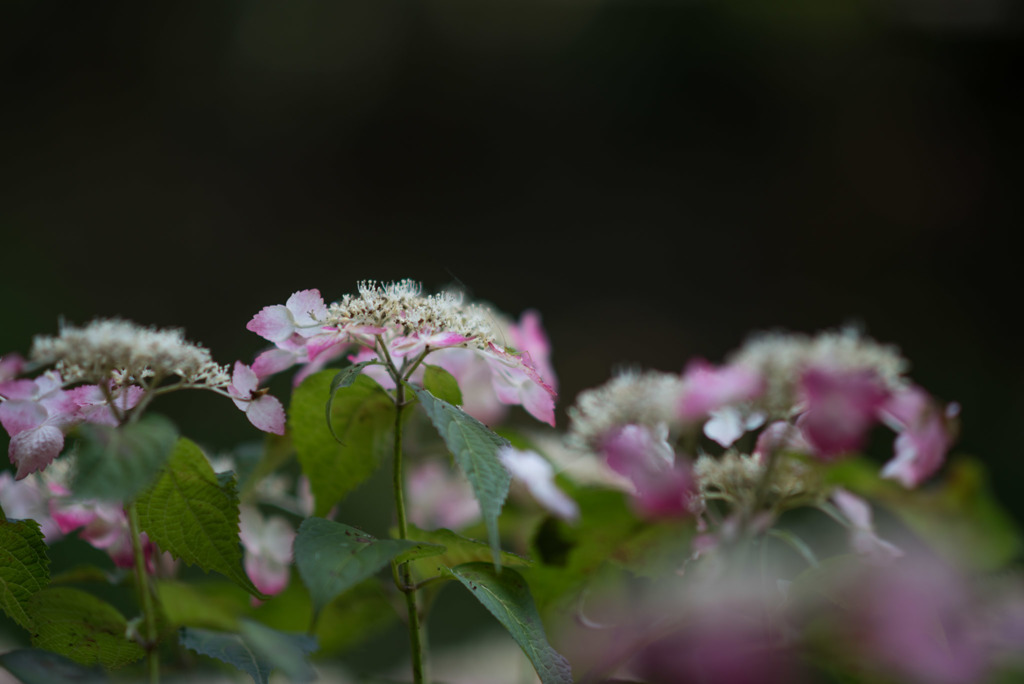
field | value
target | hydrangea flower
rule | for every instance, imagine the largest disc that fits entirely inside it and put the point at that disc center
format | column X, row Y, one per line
column 267, row 542
column 124, row 362
column 397, row 321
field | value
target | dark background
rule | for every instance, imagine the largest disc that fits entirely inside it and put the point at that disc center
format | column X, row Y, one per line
column 657, row 178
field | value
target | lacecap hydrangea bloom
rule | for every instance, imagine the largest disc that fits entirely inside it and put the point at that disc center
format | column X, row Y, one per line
column 126, row 365
column 398, row 321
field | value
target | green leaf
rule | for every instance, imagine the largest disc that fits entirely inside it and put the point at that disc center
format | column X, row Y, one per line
column 285, row 652
column 507, row 597
column 216, row 605
column 115, row 464
column 442, row 384
column 454, row 549
column 345, row 377
column 193, row 514
column 36, row 666
column 475, row 449
column 82, row 627
column 331, row 557
column 257, row 651
column 362, row 417
column 24, row 567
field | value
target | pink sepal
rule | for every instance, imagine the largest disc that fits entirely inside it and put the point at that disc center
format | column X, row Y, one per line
column 307, row 309
column 18, row 389
column 706, row 388
column 272, row 323
column 33, row 450
column 18, row 416
column 274, row 361
column 267, row 414
column 10, row 366
column 841, row 408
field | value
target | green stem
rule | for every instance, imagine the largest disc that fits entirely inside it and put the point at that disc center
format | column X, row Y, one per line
column 404, row 583
column 145, row 597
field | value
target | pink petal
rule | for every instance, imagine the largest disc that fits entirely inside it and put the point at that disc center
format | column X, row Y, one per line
column 267, row 414
column 920, row 452
column 841, row 408
column 706, row 388
column 536, row 473
column 19, row 416
column 10, row 366
column 18, row 389
column 307, row 309
column 244, row 381
column 33, row 450
column 781, row 436
column 273, row 323
column 274, row 361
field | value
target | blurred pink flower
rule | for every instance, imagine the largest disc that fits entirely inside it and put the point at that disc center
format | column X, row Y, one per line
column 267, row 542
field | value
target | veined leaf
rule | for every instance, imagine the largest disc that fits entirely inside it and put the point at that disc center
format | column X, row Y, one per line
column 216, row 605
column 331, row 557
column 82, row 627
column 507, row 597
column 454, row 549
column 475, row 449
column 257, row 650
column 36, row 666
column 442, row 384
column 116, row 463
column 193, row 514
column 362, row 418
column 24, row 567
column 345, row 377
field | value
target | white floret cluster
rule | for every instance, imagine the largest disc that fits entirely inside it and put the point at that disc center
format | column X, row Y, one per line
column 119, row 350
column 402, row 308
column 735, row 477
column 649, row 398
column 781, row 358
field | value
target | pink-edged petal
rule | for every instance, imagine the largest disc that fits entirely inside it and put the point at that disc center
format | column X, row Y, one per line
column 920, row 452
column 33, row 450
column 529, row 336
column 516, row 381
column 269, row 576
column 863, row 539
column 539, row 401
column 905, row 407
column 273, row 323
column 244, row 381
column 325, row 342
column 267, row 414
column 707, row 388
column 841, row 408
column 781, row 436
column 441, row 497
column 308, row 310
column 18, row 389
column 536, row 473
column 71, row 516
column 19, row 416
column 634, row 449
column 274, row 361
column 10, row 366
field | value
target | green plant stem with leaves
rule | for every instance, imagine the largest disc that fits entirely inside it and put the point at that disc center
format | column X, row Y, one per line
column 403, row 577
column 145, row 596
